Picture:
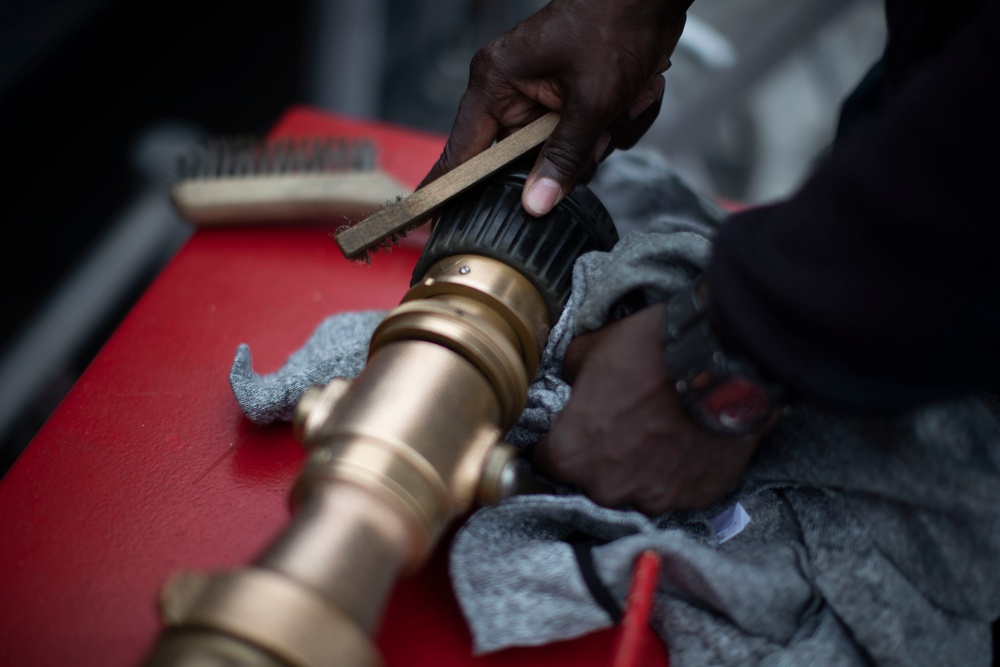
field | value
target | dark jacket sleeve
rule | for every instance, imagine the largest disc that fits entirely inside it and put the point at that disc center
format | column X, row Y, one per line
column 876, row 287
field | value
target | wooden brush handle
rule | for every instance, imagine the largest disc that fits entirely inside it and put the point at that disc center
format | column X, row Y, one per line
column 416, row 208
column 281, row 198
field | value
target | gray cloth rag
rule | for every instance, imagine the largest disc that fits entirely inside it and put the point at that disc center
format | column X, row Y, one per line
column 870, row 541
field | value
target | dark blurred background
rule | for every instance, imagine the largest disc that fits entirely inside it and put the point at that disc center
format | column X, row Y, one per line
column 99, row 97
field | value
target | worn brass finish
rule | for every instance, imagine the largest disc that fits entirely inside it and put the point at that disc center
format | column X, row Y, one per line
column 394, row 456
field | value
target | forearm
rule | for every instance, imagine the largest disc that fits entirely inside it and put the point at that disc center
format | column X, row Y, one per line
column 874, row 288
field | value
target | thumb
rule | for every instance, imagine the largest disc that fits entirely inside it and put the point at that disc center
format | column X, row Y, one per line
column 567, row 154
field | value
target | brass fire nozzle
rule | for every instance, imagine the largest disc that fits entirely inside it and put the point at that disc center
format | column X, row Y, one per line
column 399, row 452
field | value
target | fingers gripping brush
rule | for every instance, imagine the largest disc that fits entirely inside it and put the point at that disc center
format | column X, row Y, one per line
column 410, row 445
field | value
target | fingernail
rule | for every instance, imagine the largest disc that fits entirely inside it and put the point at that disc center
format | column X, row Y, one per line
column 638, row 107
column 653, row 93
column 602, row 147
column 541, row 196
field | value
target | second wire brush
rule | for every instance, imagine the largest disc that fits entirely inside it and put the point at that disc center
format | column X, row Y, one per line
column 242, row 180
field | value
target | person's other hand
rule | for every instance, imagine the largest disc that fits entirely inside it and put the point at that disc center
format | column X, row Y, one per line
column 624, row 438
column 596, row 62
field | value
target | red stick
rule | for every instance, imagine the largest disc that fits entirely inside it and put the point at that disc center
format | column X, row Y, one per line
column 634, row 628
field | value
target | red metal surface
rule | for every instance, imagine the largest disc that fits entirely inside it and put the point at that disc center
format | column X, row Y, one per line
column 148, row 465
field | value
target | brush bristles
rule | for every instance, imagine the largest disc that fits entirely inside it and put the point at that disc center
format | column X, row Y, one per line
column 224, row 157
column 385, row 245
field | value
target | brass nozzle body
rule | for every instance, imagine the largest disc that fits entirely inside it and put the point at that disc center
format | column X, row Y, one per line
column 394, row 456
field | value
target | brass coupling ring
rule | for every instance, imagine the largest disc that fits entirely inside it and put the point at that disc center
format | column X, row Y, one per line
column 464, row 326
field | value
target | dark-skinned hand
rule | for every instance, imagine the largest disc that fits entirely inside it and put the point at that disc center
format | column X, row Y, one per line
column 624, row 438
column 596, row 62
